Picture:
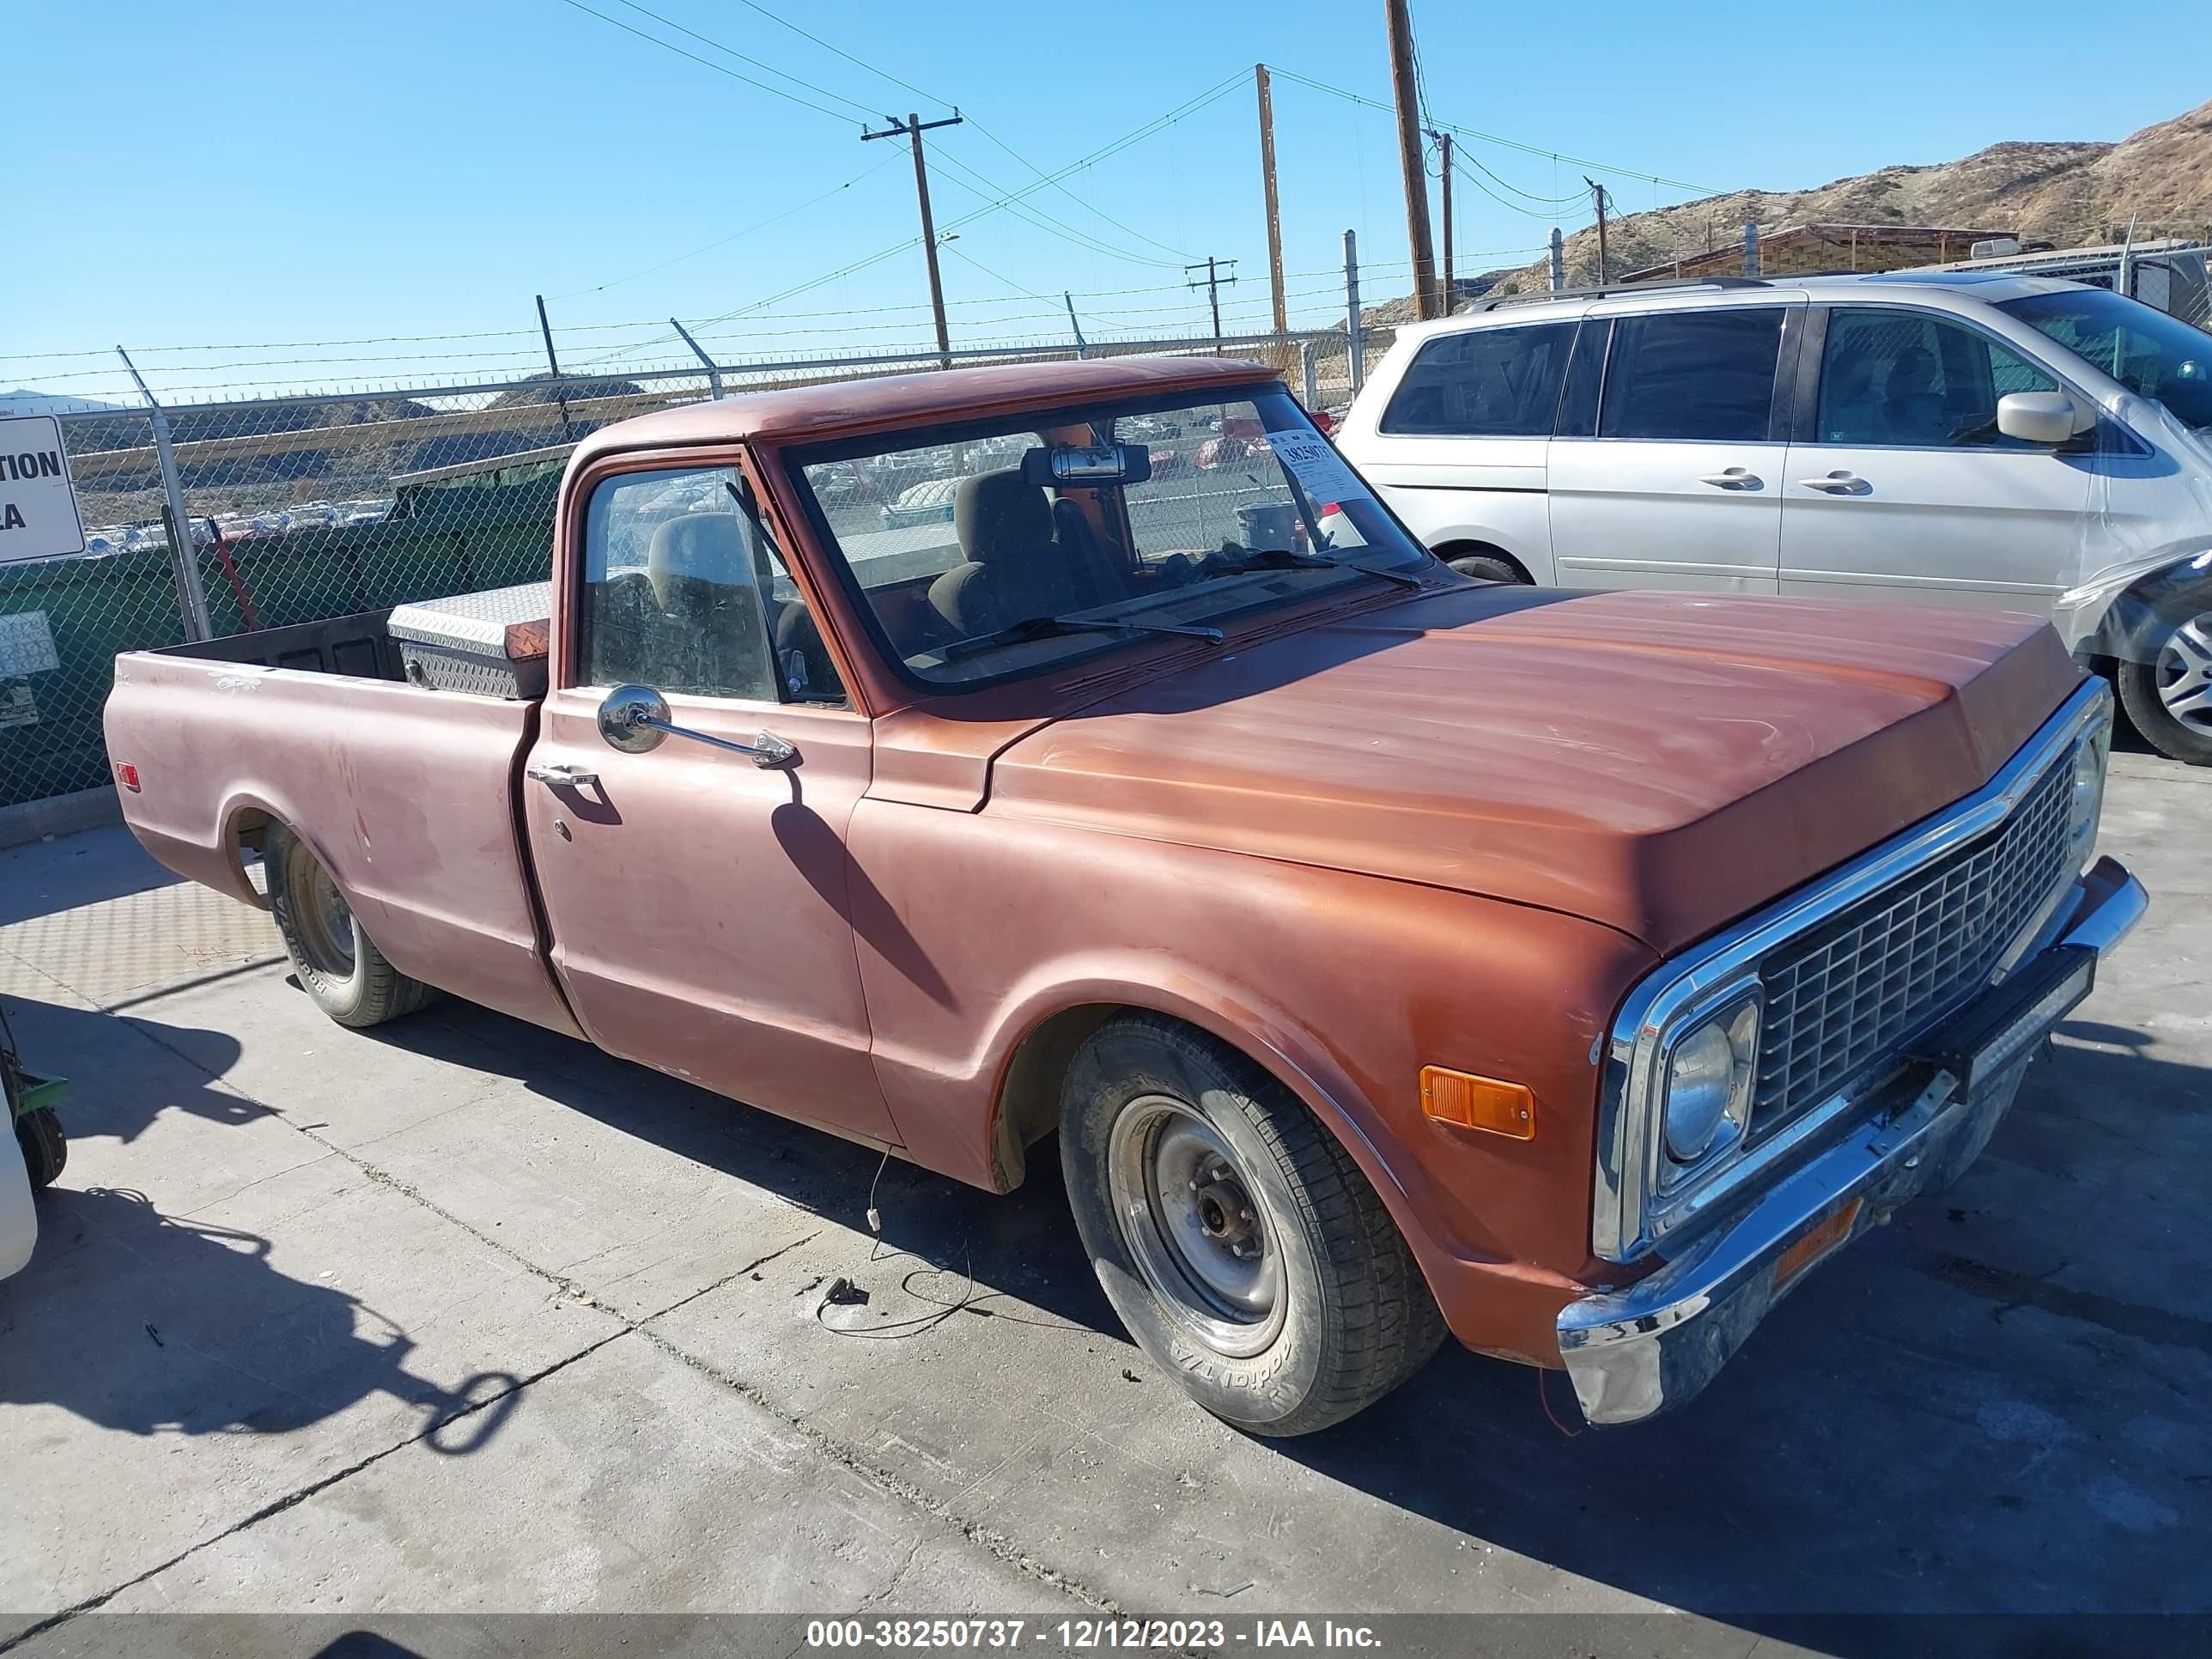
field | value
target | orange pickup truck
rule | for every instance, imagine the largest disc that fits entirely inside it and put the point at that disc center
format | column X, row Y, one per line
column 1393, row 953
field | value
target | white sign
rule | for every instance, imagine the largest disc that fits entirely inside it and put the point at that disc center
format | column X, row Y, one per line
column 37, row 504
column 1318, row 468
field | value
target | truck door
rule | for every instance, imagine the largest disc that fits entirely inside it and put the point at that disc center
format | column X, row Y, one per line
column 1902, row 490
column 1678, row 481
column 698, row 899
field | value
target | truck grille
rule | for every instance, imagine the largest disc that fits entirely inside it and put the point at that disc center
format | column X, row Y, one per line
column 1887, row 970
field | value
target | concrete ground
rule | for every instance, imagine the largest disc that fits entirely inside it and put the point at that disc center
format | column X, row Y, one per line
column 458, row 1316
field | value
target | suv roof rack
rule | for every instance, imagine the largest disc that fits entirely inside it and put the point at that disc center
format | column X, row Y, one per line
column 1492, row 301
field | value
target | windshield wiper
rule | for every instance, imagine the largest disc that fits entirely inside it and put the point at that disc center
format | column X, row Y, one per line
column 1039, row 627
column 1281, row 558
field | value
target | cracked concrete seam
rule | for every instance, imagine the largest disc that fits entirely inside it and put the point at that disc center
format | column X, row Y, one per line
column 993, row 1543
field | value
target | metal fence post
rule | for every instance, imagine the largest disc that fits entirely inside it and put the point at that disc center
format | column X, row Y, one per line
column 714, row 373
column 191, row 598
column 1355, row 347
column 1309, row 370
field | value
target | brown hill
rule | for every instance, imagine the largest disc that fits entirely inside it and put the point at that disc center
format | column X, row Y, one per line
column 2062, row 194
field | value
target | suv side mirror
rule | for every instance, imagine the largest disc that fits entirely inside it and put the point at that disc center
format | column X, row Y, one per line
column 2043, row 417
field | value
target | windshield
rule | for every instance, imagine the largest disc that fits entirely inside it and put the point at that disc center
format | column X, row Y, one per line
column 2151, row 354
column 975, row 567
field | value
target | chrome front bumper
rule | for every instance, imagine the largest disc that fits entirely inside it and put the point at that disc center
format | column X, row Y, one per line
column 1636, row 1352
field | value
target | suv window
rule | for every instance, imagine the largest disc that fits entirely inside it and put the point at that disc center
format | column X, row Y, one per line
column 685, row 591
column 1894, row 377
column 1693, row 375
column 1487, row 382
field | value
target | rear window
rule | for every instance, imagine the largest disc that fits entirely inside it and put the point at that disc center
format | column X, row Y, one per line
column 1488, row 382
column 1693, row 375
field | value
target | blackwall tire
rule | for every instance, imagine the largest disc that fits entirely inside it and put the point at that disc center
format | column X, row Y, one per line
column 1236, row 1239
column 1486, row 567
column 337, row 963
column 2168, row 692
column 46, row 1148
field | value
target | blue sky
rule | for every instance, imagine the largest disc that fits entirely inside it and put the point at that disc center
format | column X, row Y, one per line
column 224, row 175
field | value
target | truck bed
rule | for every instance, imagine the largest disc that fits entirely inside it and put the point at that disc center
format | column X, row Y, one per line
column 407, row 795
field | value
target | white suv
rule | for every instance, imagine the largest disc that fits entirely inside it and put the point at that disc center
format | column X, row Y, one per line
column 1970, row 439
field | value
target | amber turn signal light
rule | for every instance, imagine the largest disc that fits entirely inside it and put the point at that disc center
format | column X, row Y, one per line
column 1479, row 1103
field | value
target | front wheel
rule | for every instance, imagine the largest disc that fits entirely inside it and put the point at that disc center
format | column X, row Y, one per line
column 337, row 963
column 2169, row 696
column 1238, row 1241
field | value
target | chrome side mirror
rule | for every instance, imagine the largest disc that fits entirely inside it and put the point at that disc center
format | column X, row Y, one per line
column 2042, row 417
column 634, row 718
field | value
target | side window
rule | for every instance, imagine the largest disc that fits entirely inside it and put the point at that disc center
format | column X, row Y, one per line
column 685, row 591
column 1487, row 382
column 1693, row 375
column 1892, row 377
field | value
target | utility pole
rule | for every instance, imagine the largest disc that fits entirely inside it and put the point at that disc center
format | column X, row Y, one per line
column 1597, row 195
column 1450, row 294
column 1268, row 185
column 560, row 391
column 911, row 129
column 1355, row 345
column 1410, row 161
column 1211, row 283
column 1559, row 260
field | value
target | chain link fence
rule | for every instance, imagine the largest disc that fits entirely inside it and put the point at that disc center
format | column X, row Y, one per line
column 299, row 508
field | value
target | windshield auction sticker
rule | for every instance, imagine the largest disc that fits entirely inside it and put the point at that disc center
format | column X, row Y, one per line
column 39, row 518
column 1320, row 470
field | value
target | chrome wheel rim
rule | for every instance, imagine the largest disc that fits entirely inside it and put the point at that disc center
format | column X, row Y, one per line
column 2184, row 673
column 325, row 923
column 1196, row 1226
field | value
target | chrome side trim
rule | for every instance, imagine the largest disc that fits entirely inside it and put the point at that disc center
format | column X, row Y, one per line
column 1678, row 989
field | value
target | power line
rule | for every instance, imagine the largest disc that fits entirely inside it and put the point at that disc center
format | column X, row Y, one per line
column 1496, row 138
column 719, row 68
column 879, row 70
column 724, row 241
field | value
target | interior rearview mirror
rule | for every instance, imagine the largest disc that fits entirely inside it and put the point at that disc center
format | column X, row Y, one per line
column 2042, row 417
column 1087, row 464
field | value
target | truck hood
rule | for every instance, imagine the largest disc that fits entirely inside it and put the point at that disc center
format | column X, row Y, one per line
column 1661, row 763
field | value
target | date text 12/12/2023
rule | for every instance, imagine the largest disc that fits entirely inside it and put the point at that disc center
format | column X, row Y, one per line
column 1089, row 1635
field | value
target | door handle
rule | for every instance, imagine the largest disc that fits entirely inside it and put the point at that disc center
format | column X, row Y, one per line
column 1839, row 484
column 1733, row 477
column 560, row 777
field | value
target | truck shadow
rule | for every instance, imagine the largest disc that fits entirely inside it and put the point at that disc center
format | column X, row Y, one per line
column 46, row 877
column 1021, row 1244
column 2020, row 1360
column 150, row 1324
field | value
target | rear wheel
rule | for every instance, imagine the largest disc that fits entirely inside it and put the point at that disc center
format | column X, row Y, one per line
column 2169, row 695
column 1238, row 1241
column 337, row 963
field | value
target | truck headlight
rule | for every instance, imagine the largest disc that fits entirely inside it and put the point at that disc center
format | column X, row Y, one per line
column 1709, row 1083
column 2091, row 753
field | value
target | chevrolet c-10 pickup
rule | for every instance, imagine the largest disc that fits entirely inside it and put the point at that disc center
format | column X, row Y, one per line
column 1393, row 953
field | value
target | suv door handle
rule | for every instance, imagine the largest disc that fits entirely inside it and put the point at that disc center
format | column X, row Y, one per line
column 1839, row 484
column 1734, row 477
column 560, row 777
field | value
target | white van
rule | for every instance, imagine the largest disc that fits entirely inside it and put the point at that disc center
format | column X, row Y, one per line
column 1980, row 440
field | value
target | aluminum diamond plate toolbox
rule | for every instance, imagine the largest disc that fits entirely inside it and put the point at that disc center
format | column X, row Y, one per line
column 492, row 643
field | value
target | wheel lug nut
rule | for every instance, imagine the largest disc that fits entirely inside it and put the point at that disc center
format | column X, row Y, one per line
column 1246, row 1214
